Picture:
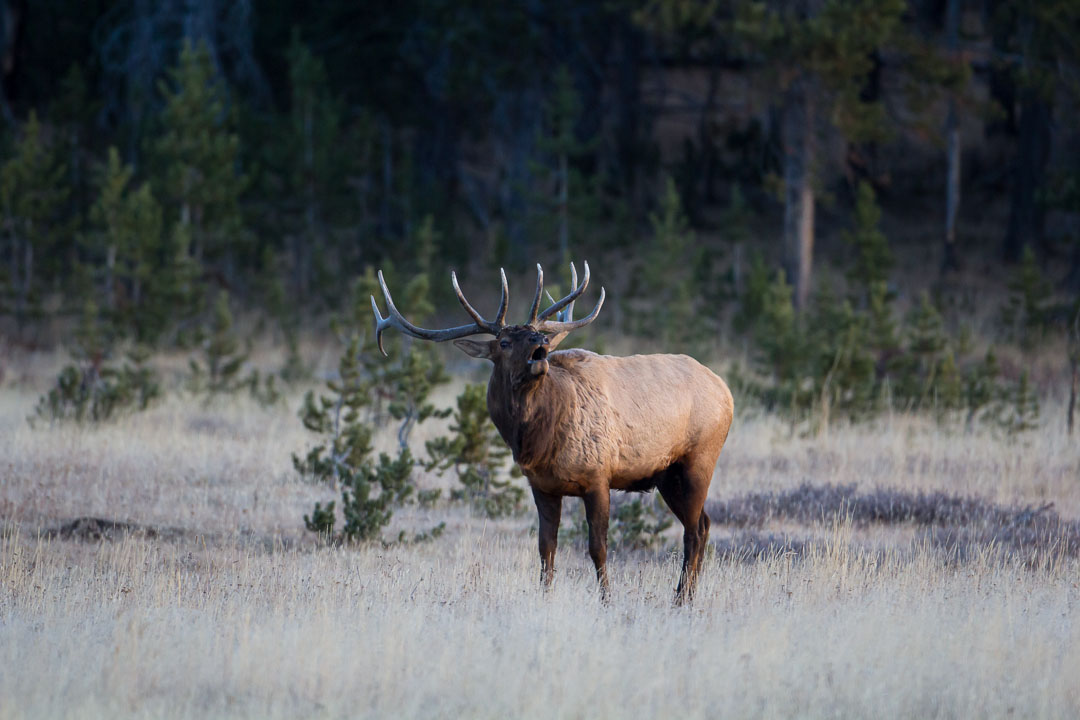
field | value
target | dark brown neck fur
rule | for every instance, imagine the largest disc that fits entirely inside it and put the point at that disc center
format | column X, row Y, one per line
column 529, row 417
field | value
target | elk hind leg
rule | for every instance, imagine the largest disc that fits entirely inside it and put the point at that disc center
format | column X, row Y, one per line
column 597, row 505
column 684, row 488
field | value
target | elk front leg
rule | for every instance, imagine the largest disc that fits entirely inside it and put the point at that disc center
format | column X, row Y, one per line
column 549, row 508
column 596, row 513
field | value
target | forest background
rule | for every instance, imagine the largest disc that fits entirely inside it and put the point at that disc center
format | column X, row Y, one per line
column 857, row 207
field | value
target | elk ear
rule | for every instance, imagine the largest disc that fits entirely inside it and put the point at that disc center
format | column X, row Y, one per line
column 477, row 349
column 554, row 340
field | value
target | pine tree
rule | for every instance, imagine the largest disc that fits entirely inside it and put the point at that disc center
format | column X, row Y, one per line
column 926, row 346
column 668, row 276
column 981, row 389
column 752, row 298
column 312, row 169
column 1027, row 311
column 1020, row 412
column 819, row 57
column 411, row 386
column 873, row 259
column 223, row 358
column 370, row 491
column 197, row 157
column 92, row 389
column 477, row 454
column 128, row 240
column 33, row 192
column 561, row 142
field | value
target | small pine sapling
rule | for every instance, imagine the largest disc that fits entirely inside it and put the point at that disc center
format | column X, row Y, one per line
column 981, row 388
column 1020, row 412
column 223, row 359
column 336, row 417
column 1027, row 313
column 477, row 454
column 219, row 372
column 926, row 345
column 91, row 390
column 668, row 277
column 420, row 372
column 873, row 259
column 635, row 524
column 752, row 297
column 370, row 491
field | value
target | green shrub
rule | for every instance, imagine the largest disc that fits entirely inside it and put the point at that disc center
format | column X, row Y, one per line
column 476, row 454
column 219, row 371
column 342, row 418
column 636, row 523
column 91, row 389
column 873, row 259
column 1028, row 312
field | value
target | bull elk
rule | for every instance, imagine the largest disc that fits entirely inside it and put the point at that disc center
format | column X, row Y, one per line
column 582, row 424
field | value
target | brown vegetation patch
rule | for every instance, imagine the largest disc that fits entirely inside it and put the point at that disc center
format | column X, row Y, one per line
column 92, row 529
column 955, row 524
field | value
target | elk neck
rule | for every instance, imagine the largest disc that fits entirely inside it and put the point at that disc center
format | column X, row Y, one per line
column 528, row 416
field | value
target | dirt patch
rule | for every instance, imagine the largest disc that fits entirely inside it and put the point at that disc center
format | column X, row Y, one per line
column 91, row 529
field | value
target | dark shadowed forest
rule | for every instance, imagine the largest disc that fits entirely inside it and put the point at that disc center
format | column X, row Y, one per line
column 874, row 204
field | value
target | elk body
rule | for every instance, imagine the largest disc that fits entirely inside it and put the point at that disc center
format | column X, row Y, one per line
column 583, row 424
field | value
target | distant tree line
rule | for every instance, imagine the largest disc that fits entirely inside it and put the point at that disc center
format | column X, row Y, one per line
column 156, row 153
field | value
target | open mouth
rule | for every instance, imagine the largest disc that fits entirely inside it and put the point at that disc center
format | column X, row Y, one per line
column 538, row 362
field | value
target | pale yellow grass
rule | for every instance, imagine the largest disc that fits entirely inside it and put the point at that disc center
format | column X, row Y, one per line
column 233, row 612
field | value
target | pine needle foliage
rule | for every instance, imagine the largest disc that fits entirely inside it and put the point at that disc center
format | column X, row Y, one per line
column 477, row 455
column 1028, row 312
column 91, row 389
column 873, row 260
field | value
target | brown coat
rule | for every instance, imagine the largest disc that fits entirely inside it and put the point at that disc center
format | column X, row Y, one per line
column 622, row 420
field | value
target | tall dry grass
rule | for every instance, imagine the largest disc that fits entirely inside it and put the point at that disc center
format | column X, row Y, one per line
column 217, row 605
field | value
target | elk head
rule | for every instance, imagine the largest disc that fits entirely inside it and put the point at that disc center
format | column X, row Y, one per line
column 519, row 352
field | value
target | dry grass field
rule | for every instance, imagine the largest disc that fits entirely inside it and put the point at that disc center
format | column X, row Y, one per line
column 898, row 569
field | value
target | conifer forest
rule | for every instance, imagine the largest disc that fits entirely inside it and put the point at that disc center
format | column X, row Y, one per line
column 219, row 497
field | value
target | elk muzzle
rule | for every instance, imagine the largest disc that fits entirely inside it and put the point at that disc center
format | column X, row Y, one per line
column 538, row 362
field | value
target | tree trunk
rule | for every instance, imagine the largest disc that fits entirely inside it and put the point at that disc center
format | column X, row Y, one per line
column 28, row 274
column 951, row 261
column 798, row 187
column 564, row 209
column 705, row 138
column 1074, row 367
column 1027, row 217
column 110, row 275
column 628, row 103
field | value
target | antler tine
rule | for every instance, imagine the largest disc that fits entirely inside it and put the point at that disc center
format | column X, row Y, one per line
column 568, row 313
column 554, row 326
column 396, row 319
column 535, row 309
column 477, row 317
column 381, row 324
column 504, row 301
column 574, row 295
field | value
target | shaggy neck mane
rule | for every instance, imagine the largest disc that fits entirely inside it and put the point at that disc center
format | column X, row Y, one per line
column 529, row 417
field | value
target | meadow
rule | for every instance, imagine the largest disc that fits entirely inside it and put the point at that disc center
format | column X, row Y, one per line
column 157, row 566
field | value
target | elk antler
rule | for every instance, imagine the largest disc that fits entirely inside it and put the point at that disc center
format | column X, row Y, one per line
column 563, row 309
column 479, row 326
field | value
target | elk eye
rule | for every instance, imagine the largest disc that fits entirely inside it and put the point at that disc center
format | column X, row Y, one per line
column 504, row 344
